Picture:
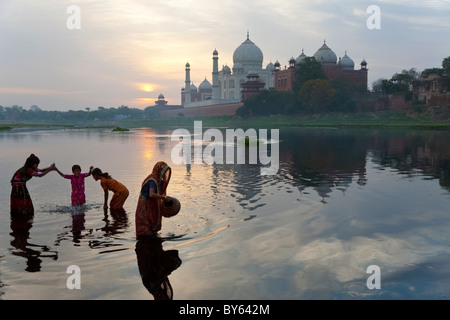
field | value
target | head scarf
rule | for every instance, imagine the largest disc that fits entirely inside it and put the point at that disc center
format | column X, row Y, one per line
column 159, row 175
column 148, row 211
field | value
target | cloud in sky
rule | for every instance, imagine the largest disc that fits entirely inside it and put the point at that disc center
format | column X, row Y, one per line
column 128, row 52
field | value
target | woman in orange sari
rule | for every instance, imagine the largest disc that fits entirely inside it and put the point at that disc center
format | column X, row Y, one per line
column 153, row 193
column 120, row 192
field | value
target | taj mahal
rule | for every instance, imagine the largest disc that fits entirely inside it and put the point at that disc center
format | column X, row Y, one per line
column 233, row 85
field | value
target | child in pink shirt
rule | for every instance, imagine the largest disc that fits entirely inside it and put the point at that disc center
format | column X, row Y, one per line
column 77, row 181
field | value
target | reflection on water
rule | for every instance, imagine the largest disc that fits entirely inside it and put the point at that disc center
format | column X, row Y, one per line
column 342, row 200
column 21, row 247
column 155, row 265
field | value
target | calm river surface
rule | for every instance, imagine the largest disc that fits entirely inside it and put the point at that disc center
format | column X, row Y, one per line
column 342, row 200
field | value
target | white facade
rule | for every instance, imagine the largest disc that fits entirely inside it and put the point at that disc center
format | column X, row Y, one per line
column 247, row 58
column 226, row 86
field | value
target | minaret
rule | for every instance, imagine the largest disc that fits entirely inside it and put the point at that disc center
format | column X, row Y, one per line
column 187, row 87
column 215, row 76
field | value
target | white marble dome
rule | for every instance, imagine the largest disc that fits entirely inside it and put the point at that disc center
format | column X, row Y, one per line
column 226, row 69
column 248, row 54
column 205, row 85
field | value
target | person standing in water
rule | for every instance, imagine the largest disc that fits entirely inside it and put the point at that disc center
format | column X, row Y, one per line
column 21, row 203
column 77, row 181
column 120, row 192
column 148, row 214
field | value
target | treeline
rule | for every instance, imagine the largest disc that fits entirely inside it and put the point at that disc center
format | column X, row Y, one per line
column 313, row 93
column 34, row 113
column 403, row 82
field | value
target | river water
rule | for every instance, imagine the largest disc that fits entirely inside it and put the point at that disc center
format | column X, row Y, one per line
column 350, row 214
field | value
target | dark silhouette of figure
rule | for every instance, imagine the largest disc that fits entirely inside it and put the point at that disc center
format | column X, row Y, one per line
column 20, row 231
column 155, row 265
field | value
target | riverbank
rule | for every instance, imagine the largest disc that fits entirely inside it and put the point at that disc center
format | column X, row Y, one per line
column 436, row 119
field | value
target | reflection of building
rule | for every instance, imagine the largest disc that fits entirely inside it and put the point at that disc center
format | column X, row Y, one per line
column 331, row 66
column 432, row 90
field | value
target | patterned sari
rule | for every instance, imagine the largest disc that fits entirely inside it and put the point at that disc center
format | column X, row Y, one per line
column 148, row 211
column 21, row 203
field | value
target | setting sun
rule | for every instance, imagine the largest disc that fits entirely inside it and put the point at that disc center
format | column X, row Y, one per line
column 147, row 87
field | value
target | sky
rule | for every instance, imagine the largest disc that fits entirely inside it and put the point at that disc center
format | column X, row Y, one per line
column 72, row 55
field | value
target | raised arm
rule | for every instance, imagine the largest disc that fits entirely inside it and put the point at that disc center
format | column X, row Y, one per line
column 90, row 171
column 60, row 173
column 43, row 172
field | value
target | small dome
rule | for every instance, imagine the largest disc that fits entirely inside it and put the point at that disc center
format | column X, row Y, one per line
column 347, row 63
column 325, row 55
column 300, row 58
column 270, row 66
column 237, row 68
column 161, row 96
column 205, row 85
column 226, row 69
column 193, row 87
column 248, row 54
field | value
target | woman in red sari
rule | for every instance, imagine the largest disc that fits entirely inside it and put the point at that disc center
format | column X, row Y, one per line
column 21, row 203
column 153, row 193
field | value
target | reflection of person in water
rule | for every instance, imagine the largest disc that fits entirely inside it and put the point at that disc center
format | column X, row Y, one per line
column 155, row 265
column 77, row 227
column 20, row 231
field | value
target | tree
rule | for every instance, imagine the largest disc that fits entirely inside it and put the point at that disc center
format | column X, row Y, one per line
column 267, row 102
column 399, row 83
column 308, row 69
column 345, row 93
column 446, row 65
column 406, row 78
column 377, row 86
column 429, row 71
column 316, row 95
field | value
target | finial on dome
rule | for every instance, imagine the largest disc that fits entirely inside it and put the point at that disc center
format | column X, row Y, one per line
column 248, row 36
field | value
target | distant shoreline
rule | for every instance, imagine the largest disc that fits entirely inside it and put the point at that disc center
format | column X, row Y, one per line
column 381, row 119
